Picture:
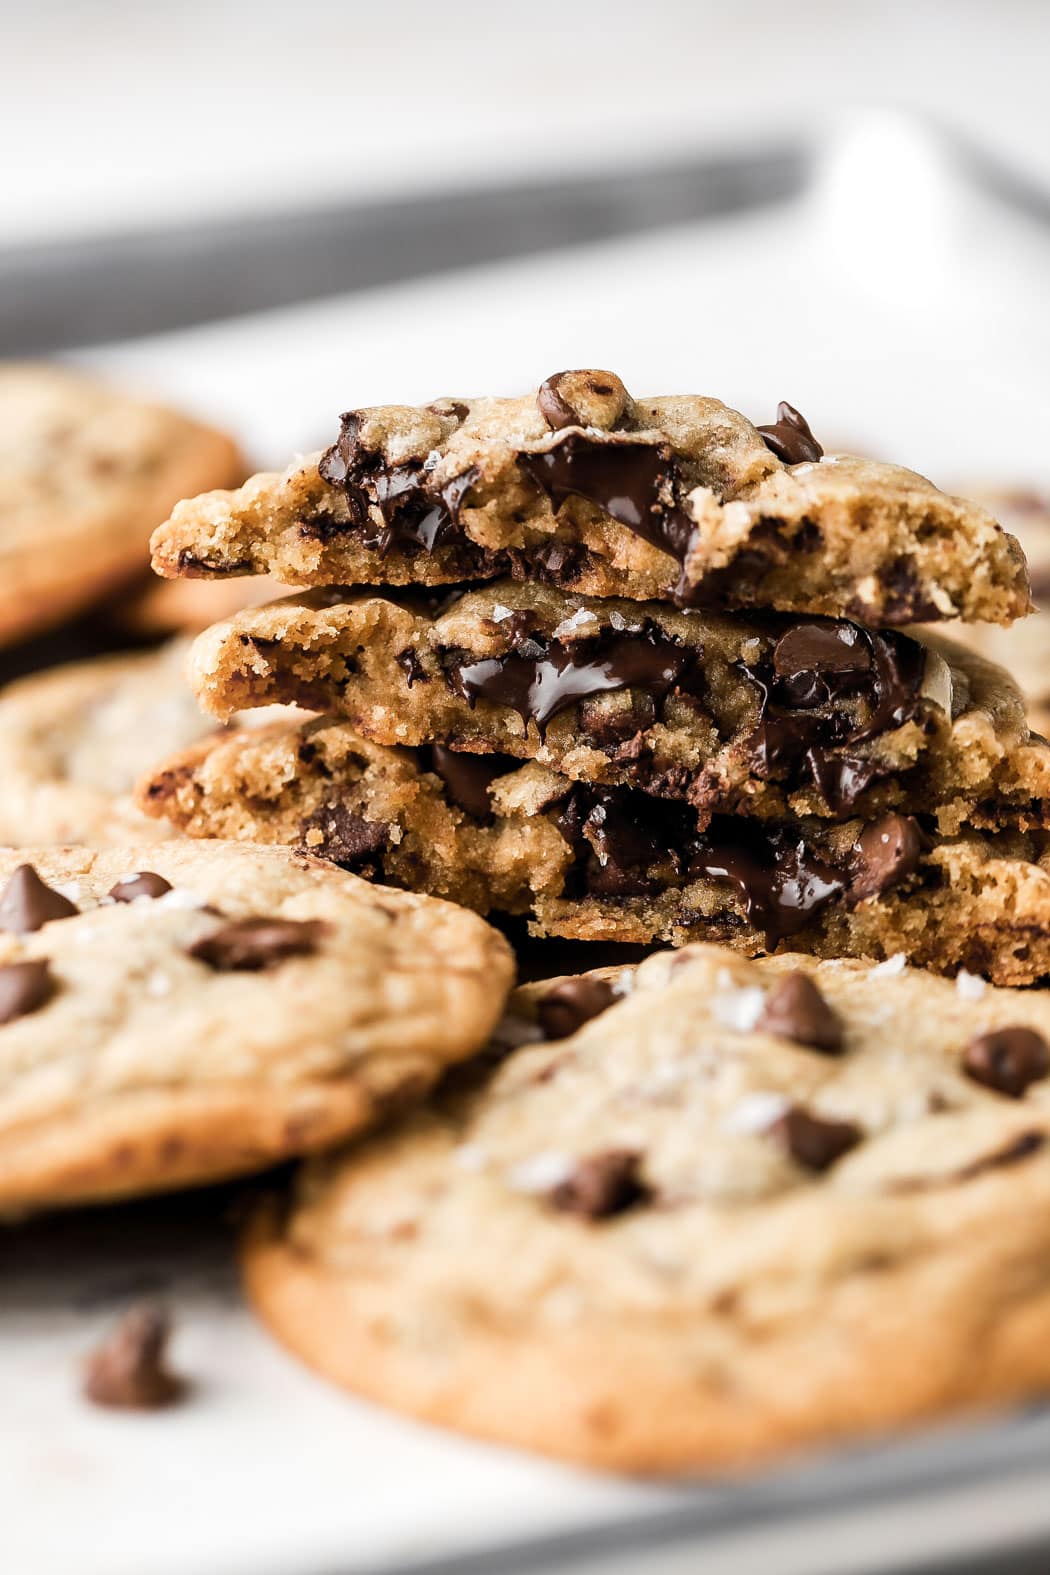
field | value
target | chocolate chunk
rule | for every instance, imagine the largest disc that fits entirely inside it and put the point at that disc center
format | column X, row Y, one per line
column 467, row 778
column 628, row 843
column 145, row 884
column 821, row 646
column 27, row 903
column 349, row 840
column 573, row 1002
column 814, row 1142
column 790, row 438
column 841, row 779
column 782, row 883
column 539, row 678
column 904, row 600
column 886, row 852
column 796, row 1010
column 1007, row 1059
column 632, row 480
column 24, row 988
column 128, row 1371
column 601, row 1185
column 582, row 399
column 252, row 945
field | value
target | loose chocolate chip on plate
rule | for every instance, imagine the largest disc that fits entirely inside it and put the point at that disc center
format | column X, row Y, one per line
column 813, row 1142
column 572, row 1003
column 128, row 1371
column 790, row 438
column 885, row 853
column 28, row 903
column 251, row 945
column 796, row 1010
column 1007, row 1059
column 24, row 987
column 601, row 1185
column 146, row 883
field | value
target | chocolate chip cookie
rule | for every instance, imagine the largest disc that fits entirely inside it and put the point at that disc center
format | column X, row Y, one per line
column 74, row 739
column 178, row 1013
column 735, row 1209
column 615, row 864
column 86, row 473
column 762, row 715
column 582, row 487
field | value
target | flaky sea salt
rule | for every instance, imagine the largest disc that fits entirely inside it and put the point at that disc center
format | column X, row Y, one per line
column 891, row 967
column 739, row 1009
column 499, row 612
column 514, row 1031
column 969, row 986
column 158, row 984
column 180, row 897
column 470, row 1156
column 578, row 620
column 540, row 1172
column 755, row 1112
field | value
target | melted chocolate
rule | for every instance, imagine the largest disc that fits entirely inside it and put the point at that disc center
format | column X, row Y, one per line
column 538, row 678
column 821, row 674
column 633, row 481
column 783, row 884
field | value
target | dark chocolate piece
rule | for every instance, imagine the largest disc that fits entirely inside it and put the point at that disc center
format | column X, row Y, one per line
column 632, row 480
column 409, row 663
column 886, row 852
column 790, row 438
column 28, row 903
column 24, row 988
column 573, row 1002
column 128, row 1371
column 538, row 678
column 601, row 1185
column 349, row 840
column 251, row 945
column 146, row 883
column 1007, row 1059
column 467, row 778
column 796, row 1010
column 814, row 1142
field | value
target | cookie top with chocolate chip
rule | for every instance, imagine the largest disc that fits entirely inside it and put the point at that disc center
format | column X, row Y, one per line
column 766, row 714
column 742, row 1207
column 86, row 472
column 175, row 1013
column 580, row 485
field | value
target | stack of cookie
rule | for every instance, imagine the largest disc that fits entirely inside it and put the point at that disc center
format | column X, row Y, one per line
column 636, row 670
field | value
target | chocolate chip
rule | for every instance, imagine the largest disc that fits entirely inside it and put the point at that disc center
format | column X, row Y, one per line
column 128, row 1371
column 821, row 647
column 24, row 988
column 573, row 1002
column 251, row 945
column 539, row 678
column 1007, row 1059
column 467, row 778
column 601, row 1185
column 813, row 1142
column 27, row 903
column 582, row 399
column 790, row 438
column 886, row 852
column 783, row 884
column 348, row 839
column 145, row 884
column 796, row 1010
column 633, row 481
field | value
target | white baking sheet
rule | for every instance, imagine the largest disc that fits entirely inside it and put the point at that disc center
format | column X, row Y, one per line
column 905, row 314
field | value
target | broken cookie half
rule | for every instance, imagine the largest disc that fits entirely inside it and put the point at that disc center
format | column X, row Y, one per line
column 580, row 486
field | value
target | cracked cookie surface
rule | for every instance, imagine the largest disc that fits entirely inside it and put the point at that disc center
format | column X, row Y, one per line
column 85, row 474
column 178, row 1013
column 764, row 715
column 583, row 487
column 736, row 1209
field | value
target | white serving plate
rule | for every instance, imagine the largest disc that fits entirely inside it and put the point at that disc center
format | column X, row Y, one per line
column 905, row 311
